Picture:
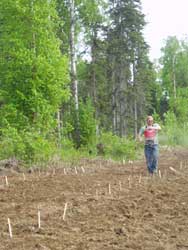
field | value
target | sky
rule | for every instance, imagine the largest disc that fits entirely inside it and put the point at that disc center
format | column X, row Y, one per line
column 164, row 18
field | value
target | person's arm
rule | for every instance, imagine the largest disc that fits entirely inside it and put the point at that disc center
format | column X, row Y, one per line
column 157, row 126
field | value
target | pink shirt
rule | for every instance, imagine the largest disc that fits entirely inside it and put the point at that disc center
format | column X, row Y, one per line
column 150, row 133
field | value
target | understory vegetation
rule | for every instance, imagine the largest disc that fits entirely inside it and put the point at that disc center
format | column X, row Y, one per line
column 76, row 81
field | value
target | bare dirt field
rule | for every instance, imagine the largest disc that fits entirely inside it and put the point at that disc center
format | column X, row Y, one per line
column 97, row 205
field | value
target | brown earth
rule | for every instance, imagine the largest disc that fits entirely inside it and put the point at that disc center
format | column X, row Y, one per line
column 109, row 206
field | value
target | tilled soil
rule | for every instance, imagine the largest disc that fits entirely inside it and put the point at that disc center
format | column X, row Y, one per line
column 108, row 206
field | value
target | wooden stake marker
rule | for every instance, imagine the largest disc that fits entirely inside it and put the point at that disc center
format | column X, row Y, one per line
column 10, row 228
column 83, row 170
column 76, row 172
column 160, row 174
column 109, row 189
column 6, row 181
column 165, row 173
column 174, row 170
column 97, row 194
column 140, row 178
column 24, row 177
column 65, row 209
column 120, row 186
column 129, row 180
column 39, row 219
column 181, row 165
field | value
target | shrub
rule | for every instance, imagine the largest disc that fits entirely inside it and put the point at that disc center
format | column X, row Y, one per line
column 117, row 147
column 28, row 146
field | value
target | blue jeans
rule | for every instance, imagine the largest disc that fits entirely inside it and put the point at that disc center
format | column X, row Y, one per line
column 151, row 154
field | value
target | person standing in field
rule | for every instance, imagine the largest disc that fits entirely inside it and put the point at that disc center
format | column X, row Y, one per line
column 151, row 148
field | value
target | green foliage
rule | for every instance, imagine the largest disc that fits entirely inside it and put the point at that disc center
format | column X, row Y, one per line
column 28, row 146
column 90, row 13
column 87, row 123
column 171, row 128
column 118, row 148
column 38, row 148
column 156, row 118
column 70, row 154
column 33, row 78
column 11, row 144
column 174, row 65
column 114, row 147
column 119, row 79
column 33, row 72
column 174, row 79
column 180, row 104
column 86, row 126
column 174, row 133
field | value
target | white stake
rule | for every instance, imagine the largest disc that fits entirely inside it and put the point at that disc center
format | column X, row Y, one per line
column 9, row 228
column 39, row 221
column 181, row 165
column 6, row 181
column 120, row 187
column 129, row 180
column 97, row 195
column 83, row 170
column 23, row 176
column 173, row 170
column 64, row 171
column 109, row 188
column 76, row 172
column 65, row 209
column 140, row 178
column 159, row 173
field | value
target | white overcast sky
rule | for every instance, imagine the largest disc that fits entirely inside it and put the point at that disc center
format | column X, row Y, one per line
column 165, row 18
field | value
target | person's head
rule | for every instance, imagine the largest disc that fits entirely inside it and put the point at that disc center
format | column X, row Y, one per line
column 149, row 120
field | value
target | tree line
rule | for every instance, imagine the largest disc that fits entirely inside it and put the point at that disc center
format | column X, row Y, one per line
column 76, row 73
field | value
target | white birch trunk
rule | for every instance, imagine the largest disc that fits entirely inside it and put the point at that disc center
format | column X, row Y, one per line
column 73, row 55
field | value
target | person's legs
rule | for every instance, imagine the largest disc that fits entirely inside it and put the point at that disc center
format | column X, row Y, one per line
column 148, row 150
column 155, row 154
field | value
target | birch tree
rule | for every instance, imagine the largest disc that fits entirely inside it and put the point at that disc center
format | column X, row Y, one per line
column 34, row 74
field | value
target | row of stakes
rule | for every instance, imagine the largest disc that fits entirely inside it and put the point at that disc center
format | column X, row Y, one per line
column 66, row 204
column 39, row 220
column 83, row 171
